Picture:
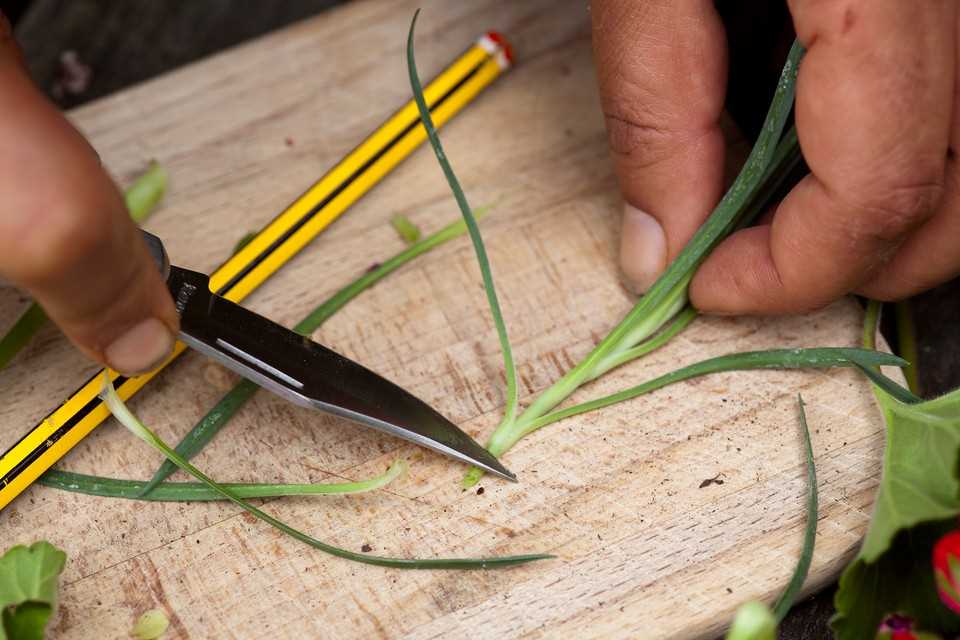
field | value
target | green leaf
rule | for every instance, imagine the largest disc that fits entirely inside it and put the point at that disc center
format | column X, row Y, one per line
column 900, row 580
column 26, row 622
column 199, row 492
column 818, row 358
column 28, row 589
column 120, row 411
column 790, row 593
column 918, row 500
column 754, row 620
column 408, row 232
column 145, row 192
column 510, row 409
column 151, row 625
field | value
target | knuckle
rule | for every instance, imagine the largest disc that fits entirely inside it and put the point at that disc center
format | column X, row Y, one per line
column 888, row 212
column 641, row 139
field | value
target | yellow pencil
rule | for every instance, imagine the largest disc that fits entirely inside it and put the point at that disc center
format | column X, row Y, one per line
column 280, row 240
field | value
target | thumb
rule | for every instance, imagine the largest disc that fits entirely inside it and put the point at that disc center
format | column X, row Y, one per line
column 66, row 236
column 661, row 67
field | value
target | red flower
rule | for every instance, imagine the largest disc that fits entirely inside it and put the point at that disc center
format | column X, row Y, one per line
column 946, row 569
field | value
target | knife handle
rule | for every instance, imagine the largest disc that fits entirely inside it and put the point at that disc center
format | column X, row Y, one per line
column 158, row 252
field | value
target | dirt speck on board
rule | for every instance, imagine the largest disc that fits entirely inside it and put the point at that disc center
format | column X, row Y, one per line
column 366, row 548
column 717, row 479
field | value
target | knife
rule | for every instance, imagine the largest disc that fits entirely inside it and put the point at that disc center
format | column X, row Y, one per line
column 304, row 372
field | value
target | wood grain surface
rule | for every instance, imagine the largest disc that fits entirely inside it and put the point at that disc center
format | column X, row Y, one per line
column 643, row 550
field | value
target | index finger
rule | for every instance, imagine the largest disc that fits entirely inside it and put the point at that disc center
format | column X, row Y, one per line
column 874, row 101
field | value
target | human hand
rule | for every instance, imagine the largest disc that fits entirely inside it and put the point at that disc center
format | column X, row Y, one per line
column 878, row 118
column 66, row 236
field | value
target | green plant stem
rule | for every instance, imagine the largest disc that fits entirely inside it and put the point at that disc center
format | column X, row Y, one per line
column 217, row 417
column 871, row 325
column 510, row 409
column 123, row 414
column 906, row 344
column 679, row 322
column 199, row 492
column 141, row 197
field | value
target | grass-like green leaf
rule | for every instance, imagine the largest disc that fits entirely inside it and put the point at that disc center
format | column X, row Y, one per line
column 818, row 358
column 408, row 232
column 28, row 589
column 510, row 370
column 128, row 420
column 199, row 492
column 754, row 620
column 215, row 419
column 789, row 595
column 141, row 198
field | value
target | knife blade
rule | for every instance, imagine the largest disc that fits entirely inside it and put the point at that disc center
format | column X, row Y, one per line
column 306, row 373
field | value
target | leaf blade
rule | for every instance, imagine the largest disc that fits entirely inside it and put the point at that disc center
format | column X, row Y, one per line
column 133, row 424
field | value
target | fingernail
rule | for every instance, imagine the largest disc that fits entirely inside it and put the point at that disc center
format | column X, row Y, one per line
column 142, row 348
column 643, row 249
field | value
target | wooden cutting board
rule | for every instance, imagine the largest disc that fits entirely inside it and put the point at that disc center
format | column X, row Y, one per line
column 643, row 549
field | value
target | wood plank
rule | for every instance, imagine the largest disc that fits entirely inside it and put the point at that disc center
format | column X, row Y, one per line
column 643, row 551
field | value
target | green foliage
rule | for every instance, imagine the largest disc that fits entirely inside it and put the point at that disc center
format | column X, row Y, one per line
column 145, row 192
column 28, row 589
column 510, row 409
column 918, row 500
column 199, row 492
column 789, row 595
column 408, row 232
column 754, row 621
column 151, row 625
column 128, row 420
